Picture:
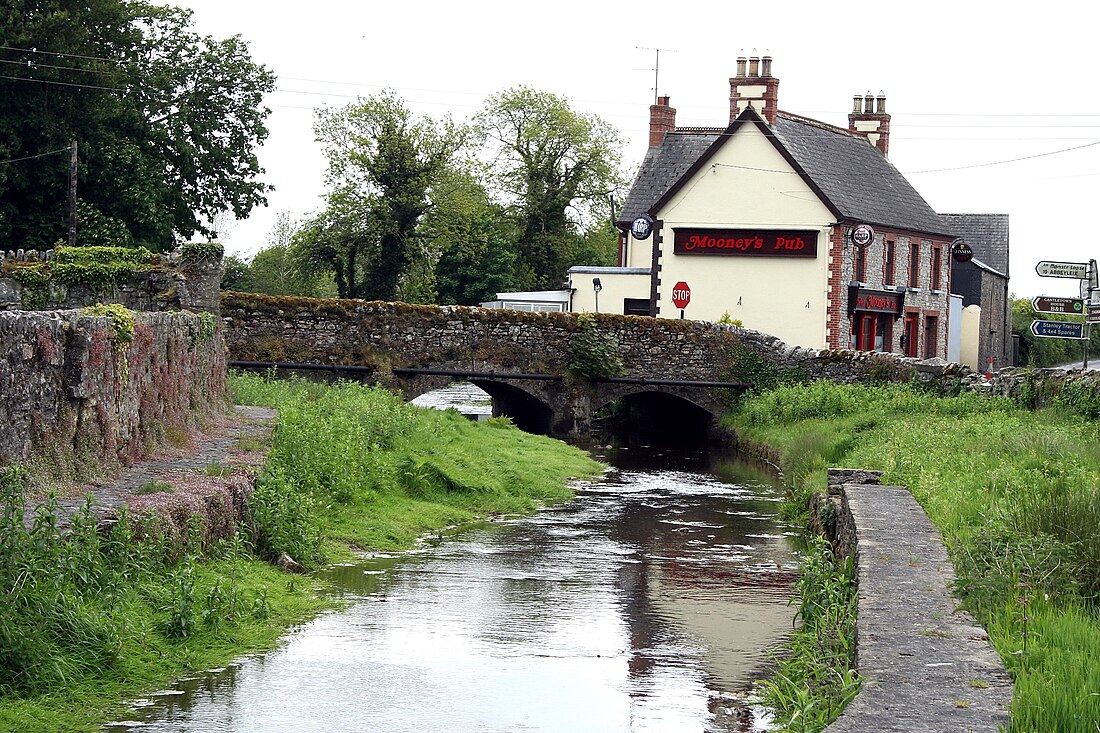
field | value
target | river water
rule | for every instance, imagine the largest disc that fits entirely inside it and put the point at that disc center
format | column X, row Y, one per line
column 648, row 603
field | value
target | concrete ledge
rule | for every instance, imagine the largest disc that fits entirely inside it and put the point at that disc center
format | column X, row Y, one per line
column 926, row 664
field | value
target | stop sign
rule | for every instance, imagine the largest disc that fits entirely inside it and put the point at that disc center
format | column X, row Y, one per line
column 681, row 294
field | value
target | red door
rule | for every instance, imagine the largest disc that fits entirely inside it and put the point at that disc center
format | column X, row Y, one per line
column 909, row 334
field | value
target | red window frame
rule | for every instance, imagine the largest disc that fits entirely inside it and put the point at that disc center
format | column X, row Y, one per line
column 914, row 264
column 889, row 264
column 936, row 278
column 861, row 264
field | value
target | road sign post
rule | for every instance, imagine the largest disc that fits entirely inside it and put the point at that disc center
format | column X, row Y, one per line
column 1058, row 330
column 1076, row 270
column 1051, row 304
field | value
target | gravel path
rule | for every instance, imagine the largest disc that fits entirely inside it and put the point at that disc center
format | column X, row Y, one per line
column 241, row 438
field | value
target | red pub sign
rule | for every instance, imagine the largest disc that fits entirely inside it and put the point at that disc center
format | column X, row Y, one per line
column 876, row 301
column 746, row 242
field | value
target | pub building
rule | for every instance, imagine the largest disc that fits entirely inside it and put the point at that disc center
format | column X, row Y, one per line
column 788, row 225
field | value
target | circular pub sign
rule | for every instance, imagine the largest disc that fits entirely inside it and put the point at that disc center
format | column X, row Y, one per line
column 861, row 235
column 642, row 227
column 961, row 251
column 681, row 295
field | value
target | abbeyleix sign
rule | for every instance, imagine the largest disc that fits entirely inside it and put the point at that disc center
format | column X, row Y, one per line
column 746, row 242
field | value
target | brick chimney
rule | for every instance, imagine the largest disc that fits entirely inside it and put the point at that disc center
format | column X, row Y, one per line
column 754, row 86
column 662, row 120
column 868, row 118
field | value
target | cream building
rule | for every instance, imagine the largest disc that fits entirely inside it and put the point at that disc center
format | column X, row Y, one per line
column 753, row 222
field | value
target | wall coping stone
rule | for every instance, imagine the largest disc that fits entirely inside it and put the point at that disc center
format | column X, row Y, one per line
column 923, row 659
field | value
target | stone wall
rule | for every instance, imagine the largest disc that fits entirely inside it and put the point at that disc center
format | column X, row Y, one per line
column 926, row 664
column 172, row 282
column 386, row 335
column 69, row 394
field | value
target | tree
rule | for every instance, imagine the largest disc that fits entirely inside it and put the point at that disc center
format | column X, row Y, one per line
column 166, row 121
column 555, row 167
column 474, row 239
column 384, row 164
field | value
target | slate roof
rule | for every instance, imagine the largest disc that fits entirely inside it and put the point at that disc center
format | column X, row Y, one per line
column 987, row 235
column 854, row 176
column 662, row 166
column 855, row 179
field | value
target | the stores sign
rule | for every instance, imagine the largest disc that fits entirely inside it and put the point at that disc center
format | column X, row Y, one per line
column 746, row 242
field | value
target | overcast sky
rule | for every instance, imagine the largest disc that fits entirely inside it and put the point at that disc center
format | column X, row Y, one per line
column 973, row 87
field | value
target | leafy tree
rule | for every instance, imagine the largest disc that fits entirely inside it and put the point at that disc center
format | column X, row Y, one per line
column 474, row 240
column 384, row 165
column 166, row 121
column 555, row 167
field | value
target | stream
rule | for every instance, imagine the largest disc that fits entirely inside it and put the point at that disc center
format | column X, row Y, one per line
column 650, row 602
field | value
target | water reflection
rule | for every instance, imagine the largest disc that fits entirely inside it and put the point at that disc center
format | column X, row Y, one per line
column 646, row 604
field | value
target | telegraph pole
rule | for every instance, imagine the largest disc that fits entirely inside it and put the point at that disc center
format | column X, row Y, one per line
column 72, row 195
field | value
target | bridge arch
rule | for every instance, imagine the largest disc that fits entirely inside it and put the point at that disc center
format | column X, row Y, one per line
column 666, row 412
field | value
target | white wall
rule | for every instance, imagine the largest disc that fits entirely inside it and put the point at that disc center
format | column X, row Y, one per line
column 747, row 184
column 616, row 288
column 971, row 326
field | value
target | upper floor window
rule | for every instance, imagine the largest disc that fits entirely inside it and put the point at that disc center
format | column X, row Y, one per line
column 889, row 266
column 914, row 264
column 861, row 264
column 937, row 264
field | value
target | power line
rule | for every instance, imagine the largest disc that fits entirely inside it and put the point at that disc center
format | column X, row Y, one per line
column 1011, row 160
column 65, row 55
column 36, row 65
column 63, row 83
column 40, row 155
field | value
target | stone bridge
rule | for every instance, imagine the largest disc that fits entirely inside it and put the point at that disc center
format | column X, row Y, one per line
column 677, row 374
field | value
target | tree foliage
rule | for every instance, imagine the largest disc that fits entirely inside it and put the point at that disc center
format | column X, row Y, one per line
column 279, row 268
column 166, row 121
column 555, row 167
column 384, row 166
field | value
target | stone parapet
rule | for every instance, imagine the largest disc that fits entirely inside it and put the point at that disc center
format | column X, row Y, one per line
column 926, row 664
column 69, row 392
column 173, row 281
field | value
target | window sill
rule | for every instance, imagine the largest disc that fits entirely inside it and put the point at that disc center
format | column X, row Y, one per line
column 936, row 292
column 913, row 290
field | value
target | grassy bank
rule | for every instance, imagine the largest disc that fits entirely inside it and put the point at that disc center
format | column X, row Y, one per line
column 89, row 620
column 1016, row 495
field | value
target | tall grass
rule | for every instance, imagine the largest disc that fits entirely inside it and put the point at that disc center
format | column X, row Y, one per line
column 358, row 465
column 1016, row 495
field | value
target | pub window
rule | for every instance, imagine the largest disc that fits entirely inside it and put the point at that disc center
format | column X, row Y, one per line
column 914, row 265
column 889, row 265
column 931, row 335
column 937, row 262
column 861, row 264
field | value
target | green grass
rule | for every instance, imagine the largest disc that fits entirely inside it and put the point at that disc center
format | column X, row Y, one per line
column 359, row 466
column 1016, row 495
column 90, row 620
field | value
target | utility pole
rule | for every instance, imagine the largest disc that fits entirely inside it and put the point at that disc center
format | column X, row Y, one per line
column 72, row 196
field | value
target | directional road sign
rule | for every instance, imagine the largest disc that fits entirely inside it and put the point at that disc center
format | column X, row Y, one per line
column 1050, row 304
column 1079, row 270
column 1058, row 329
column 1093, row 314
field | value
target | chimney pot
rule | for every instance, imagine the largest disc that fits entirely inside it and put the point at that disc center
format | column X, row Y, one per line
column 754, row 66
column 741, row 62
column 857, row 103
column 869, row 103
column 880, row 103
column 766, row 66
